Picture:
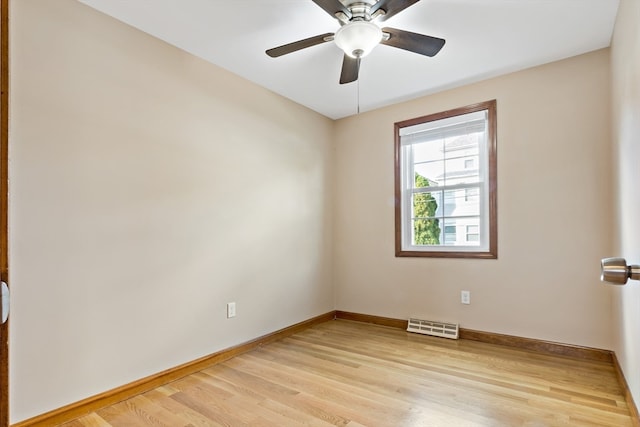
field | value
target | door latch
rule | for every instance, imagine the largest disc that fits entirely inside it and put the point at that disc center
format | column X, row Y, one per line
column 5, row 302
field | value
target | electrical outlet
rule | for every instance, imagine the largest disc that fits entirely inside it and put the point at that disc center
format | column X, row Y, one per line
column 231, row 310
column 465, row 297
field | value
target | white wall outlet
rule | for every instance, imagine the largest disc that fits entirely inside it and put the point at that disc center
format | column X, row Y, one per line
column 465, row 297
column 231, row 310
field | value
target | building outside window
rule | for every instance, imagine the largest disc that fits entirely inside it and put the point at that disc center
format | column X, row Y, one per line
column 472, row 233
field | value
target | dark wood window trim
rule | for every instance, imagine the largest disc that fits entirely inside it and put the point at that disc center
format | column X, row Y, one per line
column 492, row 252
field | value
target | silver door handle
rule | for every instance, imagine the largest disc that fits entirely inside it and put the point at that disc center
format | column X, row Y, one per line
column 616, row 270
column 5, row 302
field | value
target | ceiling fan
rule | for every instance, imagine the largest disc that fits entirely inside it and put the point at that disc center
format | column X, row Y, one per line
column 358, row 34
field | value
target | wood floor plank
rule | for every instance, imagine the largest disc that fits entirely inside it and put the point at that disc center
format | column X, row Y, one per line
column 141, row 411
column 91, row 420
column 345, row 373
column 190, row 415
column 284, row 395
column 293, row 414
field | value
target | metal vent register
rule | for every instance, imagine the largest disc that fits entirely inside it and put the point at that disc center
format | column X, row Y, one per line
column 430, row 327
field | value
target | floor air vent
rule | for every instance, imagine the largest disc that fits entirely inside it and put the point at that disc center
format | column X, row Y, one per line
column 429, row 327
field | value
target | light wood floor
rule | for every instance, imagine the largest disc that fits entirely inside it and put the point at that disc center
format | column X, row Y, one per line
column 346, row 373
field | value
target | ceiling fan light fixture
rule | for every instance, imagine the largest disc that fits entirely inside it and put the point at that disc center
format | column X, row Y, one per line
column 358, row 38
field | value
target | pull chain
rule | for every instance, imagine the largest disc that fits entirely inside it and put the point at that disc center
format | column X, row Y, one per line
column 358, row 96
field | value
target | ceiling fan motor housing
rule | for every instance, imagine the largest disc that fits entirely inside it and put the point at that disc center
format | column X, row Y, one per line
column 361, row 10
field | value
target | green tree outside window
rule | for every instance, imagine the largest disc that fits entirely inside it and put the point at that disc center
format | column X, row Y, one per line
column 426, row 229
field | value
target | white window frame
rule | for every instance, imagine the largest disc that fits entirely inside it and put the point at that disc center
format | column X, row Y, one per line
column 422, row 129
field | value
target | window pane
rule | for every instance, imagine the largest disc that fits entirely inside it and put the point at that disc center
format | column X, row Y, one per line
column 449, row 235
column 464, row 205
column 428, row 200
column 462, row 154
column 456, row 203
column 420, row 181
column 426, row 232
column 428, row 151
column 431, row 171
column 451, row 201
column 471, row 194
column 473, row 232
column 465, row 145
column 456, row 172
column 425, row 205
column 450, row 232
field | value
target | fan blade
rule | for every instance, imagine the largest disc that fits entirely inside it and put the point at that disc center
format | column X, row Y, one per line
column 350, row 69
column 332, row 7
column 391, row 7
column 413, row 42
column 300, row 44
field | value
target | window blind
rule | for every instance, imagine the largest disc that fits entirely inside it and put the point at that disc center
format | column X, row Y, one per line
column 447, row 128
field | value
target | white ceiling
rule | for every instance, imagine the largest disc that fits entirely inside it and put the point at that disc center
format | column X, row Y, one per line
column 485, row 38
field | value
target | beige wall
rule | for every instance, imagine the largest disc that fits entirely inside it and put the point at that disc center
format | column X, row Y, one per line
column 148, row 189
column 625, row 68
column 553, row 211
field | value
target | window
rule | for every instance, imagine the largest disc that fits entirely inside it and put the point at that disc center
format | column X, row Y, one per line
column 471, row 195
column 473, row 233
column 450, row 234
column 445, row 176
